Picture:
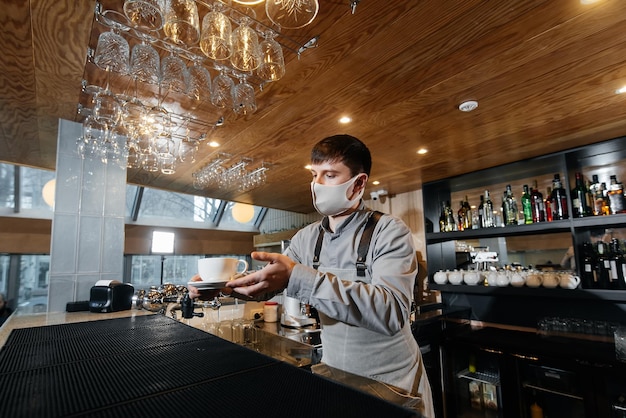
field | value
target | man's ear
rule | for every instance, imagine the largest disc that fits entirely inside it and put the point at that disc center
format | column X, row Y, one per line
column 361, row 181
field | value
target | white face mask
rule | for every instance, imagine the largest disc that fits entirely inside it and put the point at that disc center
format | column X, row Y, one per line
column 333, row 200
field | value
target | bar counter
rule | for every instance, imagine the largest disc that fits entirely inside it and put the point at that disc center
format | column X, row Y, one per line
column 140, row 364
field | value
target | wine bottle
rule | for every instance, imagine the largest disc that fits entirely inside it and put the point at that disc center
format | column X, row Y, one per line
column 617, row 266
column 537, row 204
column 603, row 266
column 589, row 278
column 616, row 196
column 559, row 199
column 579, row 198
column 527, row 206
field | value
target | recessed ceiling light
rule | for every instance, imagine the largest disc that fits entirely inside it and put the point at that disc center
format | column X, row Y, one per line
column 422, row 151
column 307, row 167
column 345, row 119
column 213, row 144
column 588, row 1
column 468, row 106
column 376, row 182
column 621, row 90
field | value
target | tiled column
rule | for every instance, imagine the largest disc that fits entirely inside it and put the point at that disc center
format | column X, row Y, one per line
column 88, row 224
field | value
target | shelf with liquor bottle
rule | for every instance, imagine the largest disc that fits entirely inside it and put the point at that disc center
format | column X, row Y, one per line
column 532, row 213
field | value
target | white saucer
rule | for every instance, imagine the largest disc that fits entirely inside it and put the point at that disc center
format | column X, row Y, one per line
column 207, row 285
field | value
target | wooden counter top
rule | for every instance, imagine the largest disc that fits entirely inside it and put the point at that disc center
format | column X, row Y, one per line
column 21, row 320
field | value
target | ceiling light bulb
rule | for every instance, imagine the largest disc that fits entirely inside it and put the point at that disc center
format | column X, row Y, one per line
column 468, row 106
column 242, row 212
column 345, row 119
column 376, row 182
column 214, row 144
column 422, row 151
column 621, row 90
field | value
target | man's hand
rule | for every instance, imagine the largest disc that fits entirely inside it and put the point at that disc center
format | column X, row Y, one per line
column 273, row 277
column 208, row 294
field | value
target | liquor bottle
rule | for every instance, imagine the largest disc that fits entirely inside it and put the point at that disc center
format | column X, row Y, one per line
column 446, row 218
column 589, row 197
column 510, row 206
column 527, row 206
column 488, row 220
column 467, row 209
column 481, row 211
column 594, row 192
column 559, row 199
column 616, row 196
column 537, row 204
column 549, row 205
column 464, row 215
column 503, row 210
column 603, row 267
column 589, row 278
column 579, row 198
column 617, row 266
column 601, row 204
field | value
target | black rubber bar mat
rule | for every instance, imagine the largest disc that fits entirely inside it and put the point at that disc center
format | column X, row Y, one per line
column 155, row 366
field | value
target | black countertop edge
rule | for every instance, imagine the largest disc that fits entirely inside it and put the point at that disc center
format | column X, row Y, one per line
column 532, row 345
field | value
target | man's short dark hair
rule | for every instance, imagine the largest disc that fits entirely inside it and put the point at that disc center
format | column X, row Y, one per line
column 346, row 149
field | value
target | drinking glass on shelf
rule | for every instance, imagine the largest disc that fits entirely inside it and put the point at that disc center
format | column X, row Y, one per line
column 164, row 145
column 150, row 160
column 272, row 67
column 222, row 91
column 246, row 55
column 291, row 14
column 160, row 122
column 199, row 82
column 144, row 14
column 215, row 38
column 94, row 134
column 182, row 23
column 244, row 102
column 187, row 150
column 174, row 75
column 145, row 63
column 112, row 52
column 133, row 159
column 106, row 107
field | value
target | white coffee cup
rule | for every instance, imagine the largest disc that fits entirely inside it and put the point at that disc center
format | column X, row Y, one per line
column 220, row 269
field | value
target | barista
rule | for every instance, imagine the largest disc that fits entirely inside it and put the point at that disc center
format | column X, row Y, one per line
column 364, row 313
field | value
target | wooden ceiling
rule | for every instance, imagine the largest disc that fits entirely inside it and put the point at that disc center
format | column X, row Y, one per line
column 543, row 71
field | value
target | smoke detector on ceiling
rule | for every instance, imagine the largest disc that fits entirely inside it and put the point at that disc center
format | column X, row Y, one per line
column 468, row 106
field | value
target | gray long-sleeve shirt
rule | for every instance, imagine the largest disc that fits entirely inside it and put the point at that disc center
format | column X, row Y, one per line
column 365, row 320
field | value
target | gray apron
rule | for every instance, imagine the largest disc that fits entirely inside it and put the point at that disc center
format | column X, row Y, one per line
column 395, row 360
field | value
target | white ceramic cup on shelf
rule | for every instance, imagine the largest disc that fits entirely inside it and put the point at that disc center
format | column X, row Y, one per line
column 568, row 281
column 220, row 269
column 441, row 277
column 471, row 278
column 455, row 277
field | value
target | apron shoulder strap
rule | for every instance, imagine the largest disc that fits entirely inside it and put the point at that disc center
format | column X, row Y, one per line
column 318, row 248
column 364, row 244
